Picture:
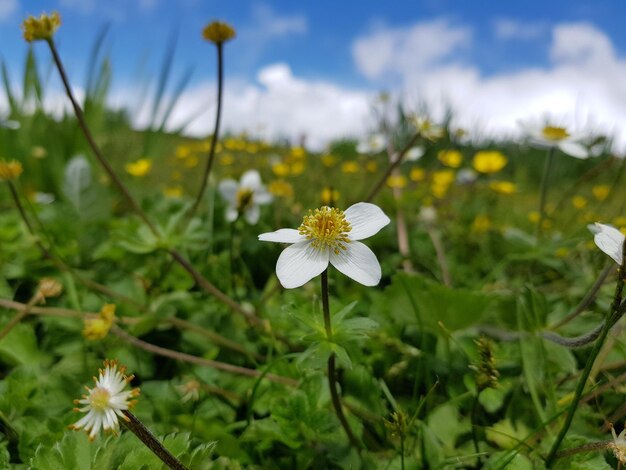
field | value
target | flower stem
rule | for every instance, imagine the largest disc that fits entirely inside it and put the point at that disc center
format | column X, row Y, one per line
column 204, row 283
column 544, row 191
column 151, row 442
column 92, row 143
column 617, row 311
column 332, row 374
column 216, row 130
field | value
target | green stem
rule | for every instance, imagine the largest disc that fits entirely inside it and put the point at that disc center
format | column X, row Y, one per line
column 216, row 130
column 616, row 312
column 332, row 374
column 151, row 442
column 544, row 190
column 473, row 420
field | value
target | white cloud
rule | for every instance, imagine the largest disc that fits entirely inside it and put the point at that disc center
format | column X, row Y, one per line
column 507, row 28
column 7, row 8
column 269, row 24
column 279, row 105
column 583, row 83
column 408, row 50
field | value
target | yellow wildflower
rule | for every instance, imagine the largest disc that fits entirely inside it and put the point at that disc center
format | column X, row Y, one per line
column 451, row 158
column 280, row 169
column 503, row 187
column 561, row 252
column 443, row 177
column 38, row 152
column 481, row 224
column 417, row 174
column 579, row 202
column 489, row 161
column 218, row 32
column 371, row 166
column 329, row 197
column 192, row 161
column 280, row 188
column 397, row 181
column 139, row 168
column 42, row 28
column 298, row 152
column 227, row 159
column 329, row 160
column 173, row 191
column 252, row 148
column 620, row 222
column 350, row 167
column 10, row 170
column 98, row 328
column 296, row 168
column 601, row 191
column 533, row 216
column 182, row 151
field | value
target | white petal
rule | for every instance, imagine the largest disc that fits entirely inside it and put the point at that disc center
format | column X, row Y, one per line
column 228, row 190
column 251, row 180
column 261, row 196
column 610, row 241
column 299, row 263
column 414, row 154
column 357, row 262
column 283, row 235
column 252, row 214
column 574, row 149
column 231, row 214
column 366, row 220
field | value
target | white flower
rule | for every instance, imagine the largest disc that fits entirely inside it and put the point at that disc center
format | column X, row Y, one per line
column 427, row 129
column 414, row 153
column 609, row 239
column 106, row 401
column 549, row 136
column 245, row 197
column 466, row 176
column 329, row 235
column 374, row 144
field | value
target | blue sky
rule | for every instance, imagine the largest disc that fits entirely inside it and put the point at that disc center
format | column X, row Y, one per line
column 344, row 52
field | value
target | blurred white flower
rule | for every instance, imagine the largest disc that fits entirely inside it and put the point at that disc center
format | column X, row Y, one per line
column 427, row 129
column 245, row 197
column 609, row 239
column 414, row 153
column 329, row 235
column 427, row 215
column 551, row 136
column 618, row 446
column 106, row 402
column 466, row 176
column 374, row 144
column 8, row 124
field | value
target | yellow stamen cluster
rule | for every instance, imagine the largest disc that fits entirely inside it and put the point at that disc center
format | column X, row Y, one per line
column 42, row 28
column 555, row 133
column 99, row 398
column 10, row 170
column 98, row 328
column 244, row 199
column 327, row 227
column 218, row 32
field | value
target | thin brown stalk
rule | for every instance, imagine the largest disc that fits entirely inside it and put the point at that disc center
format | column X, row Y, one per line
column 588, row 299
column 20, row 315
column 151, row 442
column 184, row 357
column 392, row 165
column 440, row 253
column 216, row 131
column 204, row 283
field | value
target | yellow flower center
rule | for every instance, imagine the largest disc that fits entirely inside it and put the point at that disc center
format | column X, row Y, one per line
column 327, row 227
column 244, row 199
column 99, row 398
column 555, row 133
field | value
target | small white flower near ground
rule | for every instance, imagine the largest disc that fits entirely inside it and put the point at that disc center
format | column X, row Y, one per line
column 329, row 235
column 610, row 240
column 244, row 197
column 105, row 403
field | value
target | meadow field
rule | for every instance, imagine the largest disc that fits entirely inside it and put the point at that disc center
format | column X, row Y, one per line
column 430, row 300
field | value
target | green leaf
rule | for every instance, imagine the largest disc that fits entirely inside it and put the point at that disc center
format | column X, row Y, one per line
column 20, row 346
column 74, row 451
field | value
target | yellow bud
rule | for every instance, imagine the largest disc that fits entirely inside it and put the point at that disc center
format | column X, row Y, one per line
column 98, row 328
column 42, row 28
column 10, row 170
column 218, row 32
